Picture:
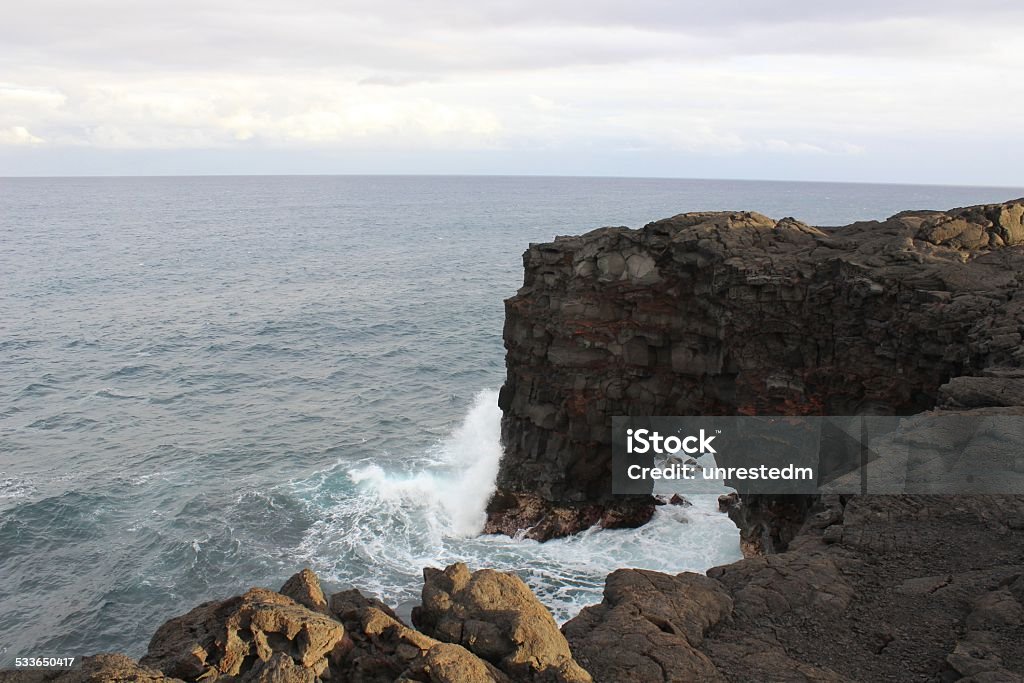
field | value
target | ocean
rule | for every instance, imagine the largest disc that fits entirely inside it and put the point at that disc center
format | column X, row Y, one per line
column 207, row 383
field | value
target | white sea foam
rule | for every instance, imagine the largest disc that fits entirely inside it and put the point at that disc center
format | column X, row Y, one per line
column 430, row 512
column 15, row 487
column 458, row 478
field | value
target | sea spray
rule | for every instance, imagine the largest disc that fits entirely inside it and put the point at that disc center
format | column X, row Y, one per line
column 379, row 525
column 453, row 489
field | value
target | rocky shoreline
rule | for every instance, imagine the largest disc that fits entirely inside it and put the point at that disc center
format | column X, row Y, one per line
column 885, row 588
column 713, row 314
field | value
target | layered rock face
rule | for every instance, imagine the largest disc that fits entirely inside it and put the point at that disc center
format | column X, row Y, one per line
column 736, row 313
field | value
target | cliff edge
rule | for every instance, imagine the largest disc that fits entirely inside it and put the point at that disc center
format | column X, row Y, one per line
column 734, row 313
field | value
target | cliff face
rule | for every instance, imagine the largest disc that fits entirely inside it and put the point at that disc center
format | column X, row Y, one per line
column 736, row 313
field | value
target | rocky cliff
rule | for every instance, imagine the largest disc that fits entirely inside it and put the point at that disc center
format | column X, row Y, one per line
column 735, row 313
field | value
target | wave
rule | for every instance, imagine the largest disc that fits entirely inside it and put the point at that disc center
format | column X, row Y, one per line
column 15, row 487
column 129, row 371
column 459, row 479
column 377, row 525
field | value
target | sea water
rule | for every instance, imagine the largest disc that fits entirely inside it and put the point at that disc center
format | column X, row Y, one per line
column 209, row 383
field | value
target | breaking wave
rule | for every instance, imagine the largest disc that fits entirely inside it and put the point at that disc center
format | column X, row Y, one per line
column 378, row 526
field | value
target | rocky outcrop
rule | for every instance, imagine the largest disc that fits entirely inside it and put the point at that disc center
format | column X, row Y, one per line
column 304, row 588
column 496, row 616
column 735, row 313
column 229, row 638
column 872, row 588
column 487, row 626
column 650, row 627
column 386, row 650
column 869, row 589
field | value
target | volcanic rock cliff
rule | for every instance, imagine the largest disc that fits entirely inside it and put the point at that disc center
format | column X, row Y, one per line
column 734, row 313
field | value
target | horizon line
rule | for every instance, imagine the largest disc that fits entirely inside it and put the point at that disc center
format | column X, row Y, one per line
column 494, row 175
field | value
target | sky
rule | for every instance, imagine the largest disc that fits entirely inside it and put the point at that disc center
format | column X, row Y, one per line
column 919, row 91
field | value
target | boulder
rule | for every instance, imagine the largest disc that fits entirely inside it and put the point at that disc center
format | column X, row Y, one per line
column 649, row 627
column 304, row 588
column 232, row 636
column 496, row 616
column 386, row 650
column 280, row 668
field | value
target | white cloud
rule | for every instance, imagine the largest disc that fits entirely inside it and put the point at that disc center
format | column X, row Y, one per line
column 18, row 135
column 14, row 96
column 214, row 111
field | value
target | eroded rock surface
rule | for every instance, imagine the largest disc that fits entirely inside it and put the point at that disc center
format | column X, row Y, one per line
column 265, row 636
column 228, row 638
column 385, row 650
column 304, row 588
column 649, row 627
column 496, row 616
column 735, row 313
column 882, row 588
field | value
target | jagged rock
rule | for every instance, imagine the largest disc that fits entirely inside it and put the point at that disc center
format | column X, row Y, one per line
column 447, row 663
column 982, row 392
column 868, row 607
column 230, row 637
column 347, row 604
column 385, row 650
column 304, row 588
column 280, row 668
column 494, row 615
column 767, row 524
column 735, row 313
column 538, row 519
column 648, row 628
column 991, row 647
column 727, row 501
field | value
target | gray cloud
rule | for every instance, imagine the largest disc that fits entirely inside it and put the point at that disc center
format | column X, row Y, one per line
column 453, row 35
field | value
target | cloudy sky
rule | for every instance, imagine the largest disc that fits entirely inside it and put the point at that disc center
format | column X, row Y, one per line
column 878, row 90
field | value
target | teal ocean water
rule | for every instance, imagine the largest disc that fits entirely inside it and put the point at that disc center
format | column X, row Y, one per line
column 208, row 383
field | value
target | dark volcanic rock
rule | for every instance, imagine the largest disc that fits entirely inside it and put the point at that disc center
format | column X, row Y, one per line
column 511, row 513
column 912, row 588
column 736, row 313
column 648, row 628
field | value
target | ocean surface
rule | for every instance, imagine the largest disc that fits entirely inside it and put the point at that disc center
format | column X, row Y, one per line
column 209, row 383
